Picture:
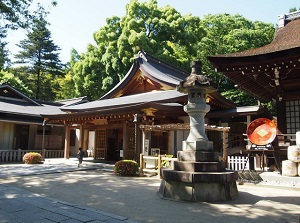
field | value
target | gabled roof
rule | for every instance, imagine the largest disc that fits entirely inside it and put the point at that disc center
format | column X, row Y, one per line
column 17, row 107
column 154, row 69
column 267, row 72
column 166, row 75
column 9, row 93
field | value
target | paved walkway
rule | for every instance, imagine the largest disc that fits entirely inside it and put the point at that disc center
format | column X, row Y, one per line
column 59, row 191
column 19, row 205
column 50, row 166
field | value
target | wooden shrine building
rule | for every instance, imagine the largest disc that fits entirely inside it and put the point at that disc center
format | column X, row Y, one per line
column 271, row 72
column 109, row 128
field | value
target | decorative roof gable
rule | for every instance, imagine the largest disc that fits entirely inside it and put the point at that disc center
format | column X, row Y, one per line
column 9, row 93
column 145, row 75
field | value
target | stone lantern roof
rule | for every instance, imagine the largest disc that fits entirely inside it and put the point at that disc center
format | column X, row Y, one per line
column 195, row 80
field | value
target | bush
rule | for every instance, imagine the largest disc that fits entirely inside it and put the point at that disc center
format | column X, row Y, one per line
column 32, row 158
column 126, row 167
column 166, row 163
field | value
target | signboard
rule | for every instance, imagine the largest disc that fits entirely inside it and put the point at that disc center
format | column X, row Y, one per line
column 261, row 147
column 261, row 131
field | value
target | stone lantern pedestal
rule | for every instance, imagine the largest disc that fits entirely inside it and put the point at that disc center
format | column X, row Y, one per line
column 198, row 175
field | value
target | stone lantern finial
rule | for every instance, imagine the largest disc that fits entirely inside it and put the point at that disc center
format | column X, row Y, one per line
column 196, row 67
column 195, row 79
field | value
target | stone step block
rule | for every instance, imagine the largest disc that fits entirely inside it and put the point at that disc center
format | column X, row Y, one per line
column 198, row 156
column 199, row 166
column 199, row 177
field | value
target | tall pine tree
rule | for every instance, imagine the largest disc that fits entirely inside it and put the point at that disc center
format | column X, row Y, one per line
column 40, row 56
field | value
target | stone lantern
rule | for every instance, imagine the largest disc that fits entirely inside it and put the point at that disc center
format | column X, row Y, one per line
column 196, row 86
column 198, row 175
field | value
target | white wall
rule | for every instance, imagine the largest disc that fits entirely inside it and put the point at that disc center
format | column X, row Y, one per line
column 7, row 136
column 91, row 143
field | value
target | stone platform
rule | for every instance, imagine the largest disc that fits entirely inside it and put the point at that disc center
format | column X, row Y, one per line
column 198, row 176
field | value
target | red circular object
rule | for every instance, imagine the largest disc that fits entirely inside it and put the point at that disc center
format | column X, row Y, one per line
column 261, row 131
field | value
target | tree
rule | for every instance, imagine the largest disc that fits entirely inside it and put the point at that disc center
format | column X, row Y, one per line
column 166, row 34
column 162, row 32
column 14, row 14
column 228, row 34
column 40, row 55
column 12, row 80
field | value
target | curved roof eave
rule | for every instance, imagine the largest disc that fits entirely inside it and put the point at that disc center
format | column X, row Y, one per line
column 134, row 67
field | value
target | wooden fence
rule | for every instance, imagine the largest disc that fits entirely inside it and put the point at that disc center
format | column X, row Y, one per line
column 153, row 164
column 17, row 155
column 238, row 163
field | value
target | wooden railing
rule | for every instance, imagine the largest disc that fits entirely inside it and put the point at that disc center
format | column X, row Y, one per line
column 17, row 155
column 153, row 164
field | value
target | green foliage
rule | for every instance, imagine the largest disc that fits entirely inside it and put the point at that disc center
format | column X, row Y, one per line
column 12, row 80
column 239, row 97
column 64, row 87
column 162, row 32
column 166, row 34
column 227, row 34
column 32, row 158
column 166, row 163
column 126, row 167
column 15, row 13
column 39, row 56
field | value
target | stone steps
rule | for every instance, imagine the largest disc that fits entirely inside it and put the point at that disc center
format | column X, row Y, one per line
column 199, row 166
column 199, row 177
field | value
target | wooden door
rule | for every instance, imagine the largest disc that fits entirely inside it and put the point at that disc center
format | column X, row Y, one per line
column 130, row 153
column 100, row 144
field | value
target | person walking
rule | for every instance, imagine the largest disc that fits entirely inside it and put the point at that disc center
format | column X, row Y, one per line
column 80, row 156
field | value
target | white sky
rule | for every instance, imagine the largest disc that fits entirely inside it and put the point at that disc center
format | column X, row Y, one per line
column 73, row 22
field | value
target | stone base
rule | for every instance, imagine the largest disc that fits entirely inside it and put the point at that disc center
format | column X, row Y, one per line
column 198, row 176
column 199, row 166
column 197, row 145
column 204, row 192
column 198, row 156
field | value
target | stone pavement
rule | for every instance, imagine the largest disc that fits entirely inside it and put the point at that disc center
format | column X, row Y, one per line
column 59, row 191
column 50, row 166
column 21, row 206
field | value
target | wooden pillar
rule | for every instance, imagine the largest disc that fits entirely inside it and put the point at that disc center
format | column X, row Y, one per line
column 81, row 136
column 138, row 143
column 225, row 156
column 67, row 142
column 125, row 139
column 281, row 117
column 169, row 143
column 85, row 139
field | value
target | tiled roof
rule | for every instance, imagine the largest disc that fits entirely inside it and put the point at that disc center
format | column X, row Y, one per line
column 13, row 102
column 268, row 72
column 154, row 69
column 156, row 96
column 240, row 111
column 73, row 101
column 24, row 108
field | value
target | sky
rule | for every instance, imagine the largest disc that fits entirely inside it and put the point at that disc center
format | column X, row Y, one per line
column 73, row 22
